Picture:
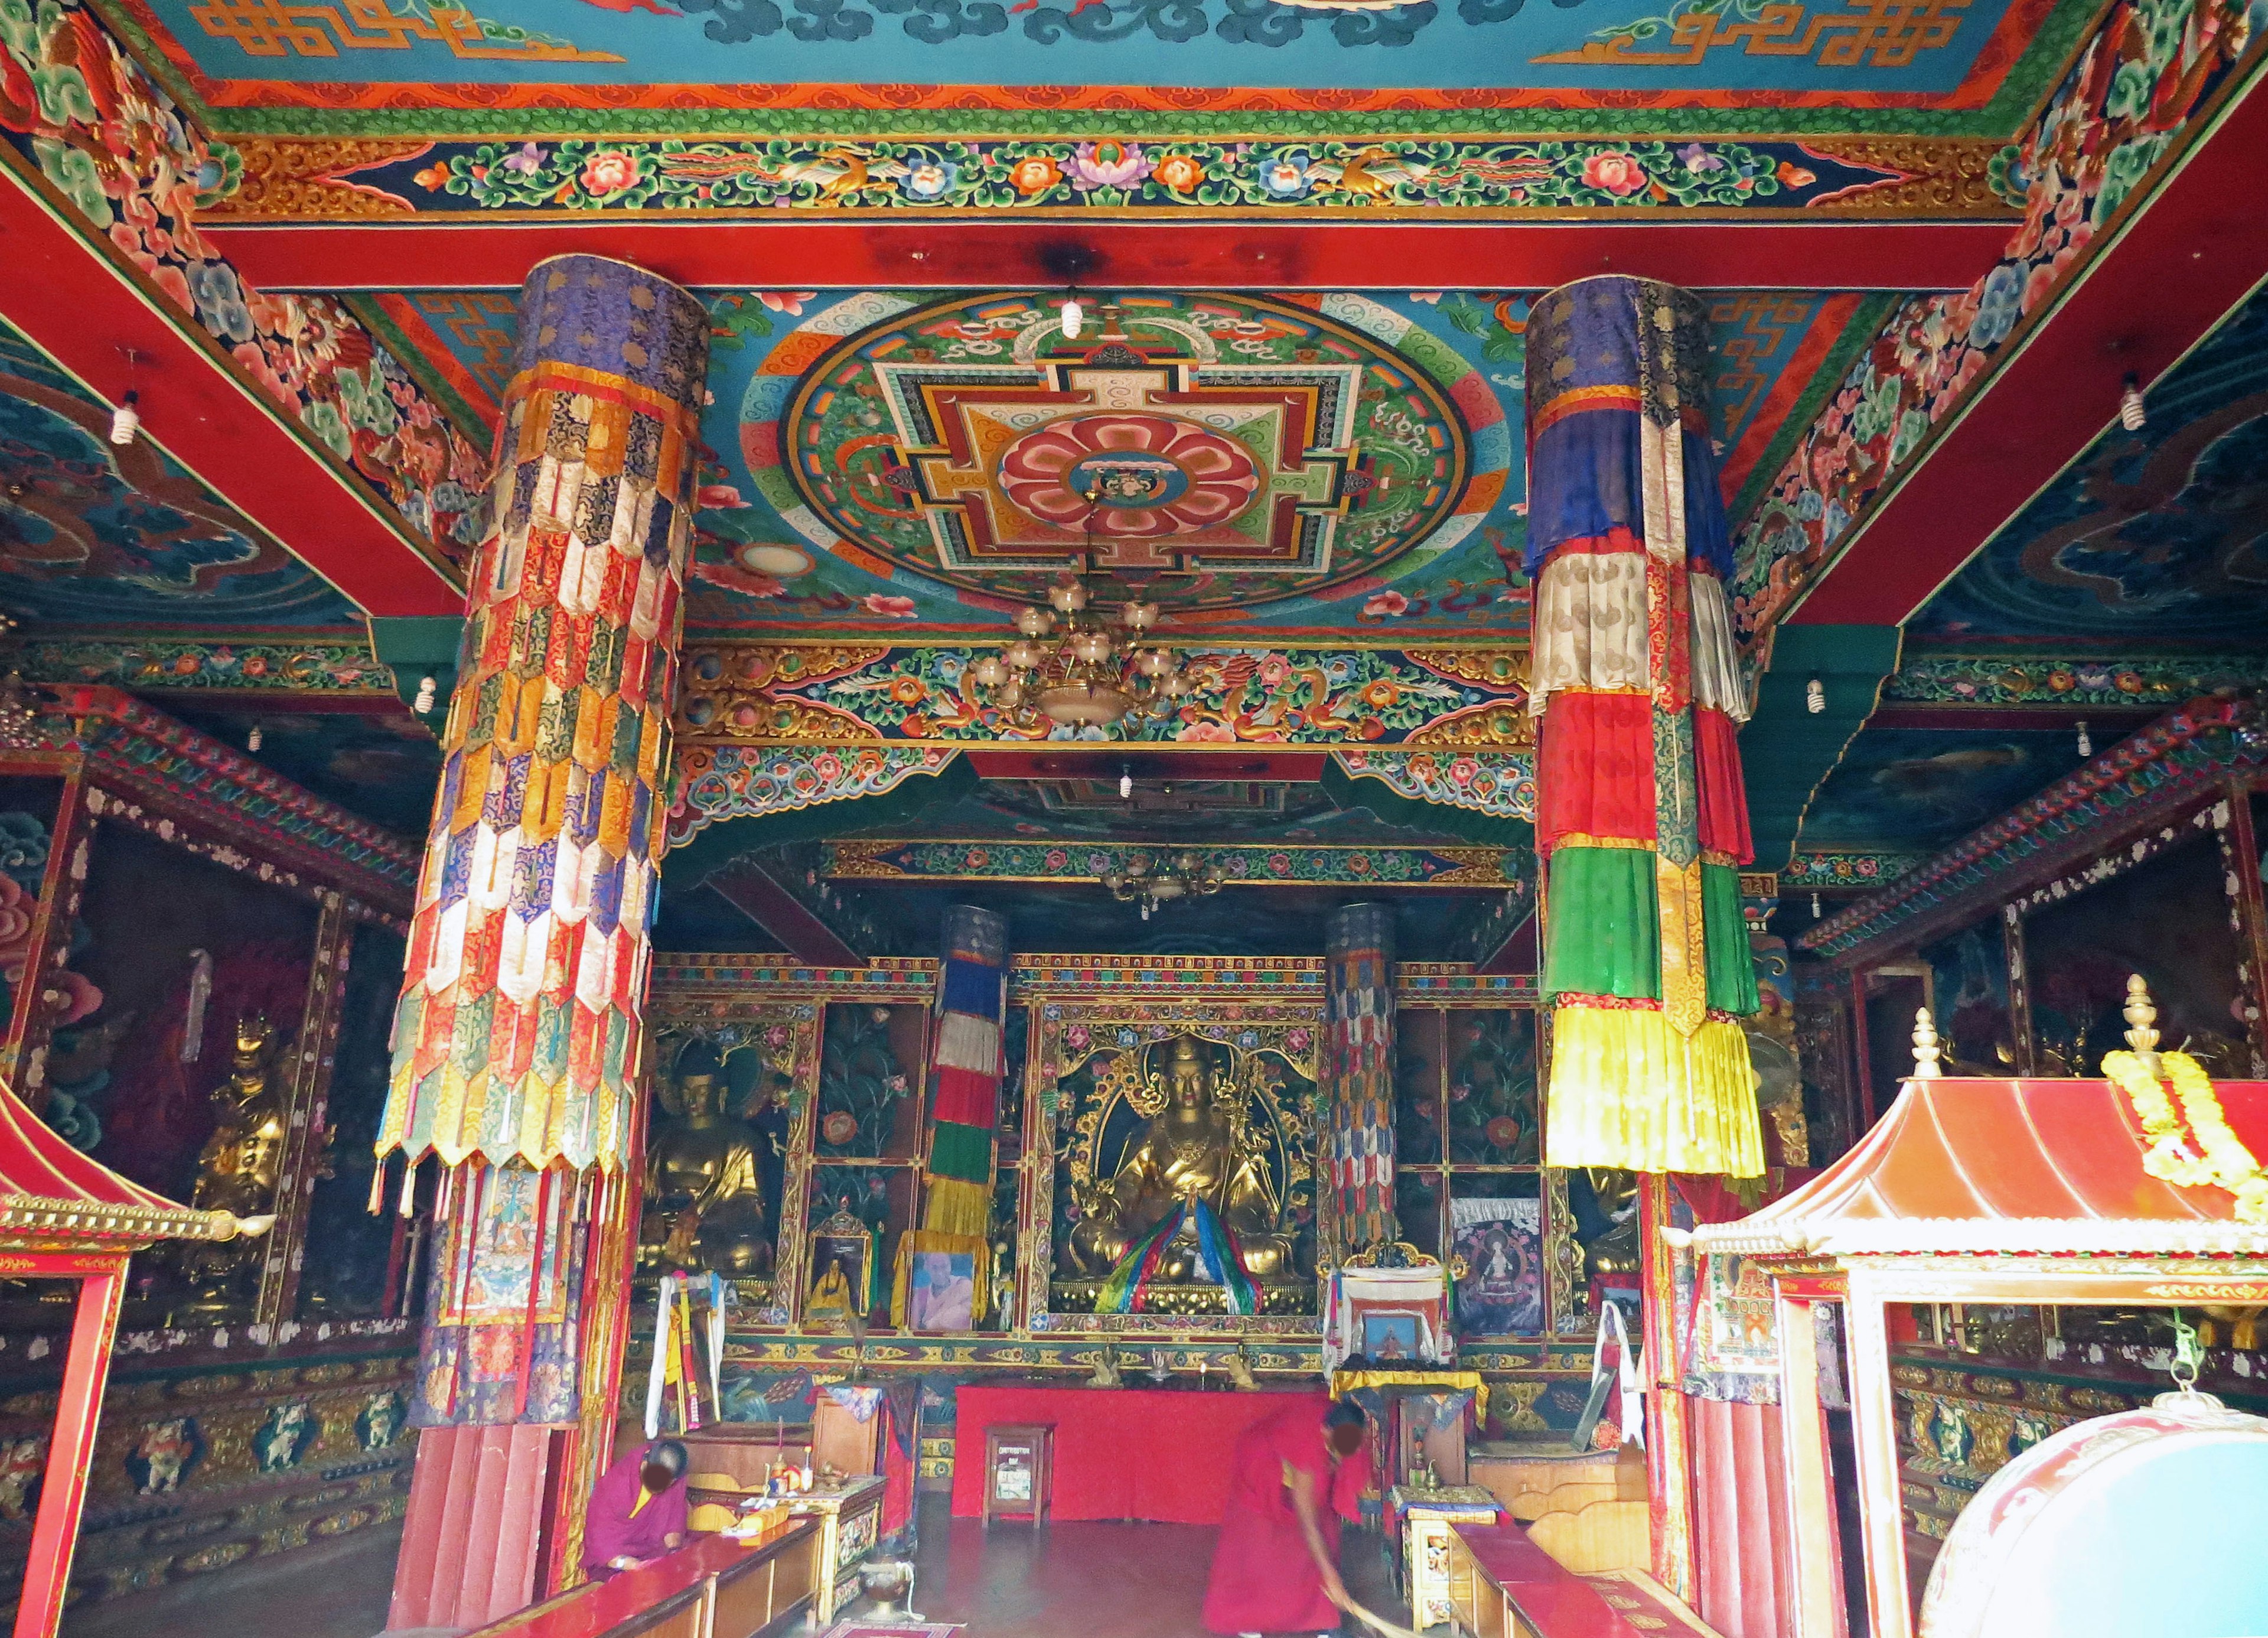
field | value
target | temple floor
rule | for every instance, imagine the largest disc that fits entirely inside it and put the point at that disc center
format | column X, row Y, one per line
column 1097, row 1580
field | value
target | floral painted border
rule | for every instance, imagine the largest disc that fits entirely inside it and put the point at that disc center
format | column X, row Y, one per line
column 205, row 665
column 1842, row 869
column 1240, row 696
column 2149, row 68
column 1500, row 784
column 137, row 177
column 866, row 859
column 2029, row 677
column 712, row 783
column 574, row 176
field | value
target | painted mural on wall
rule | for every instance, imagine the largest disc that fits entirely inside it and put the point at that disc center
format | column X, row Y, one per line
column 382, row 766
column 91, row 533
column 137, row 174
column 2158, row 532
column 1866, row 51
column 1922, row 788
column 2143, row 76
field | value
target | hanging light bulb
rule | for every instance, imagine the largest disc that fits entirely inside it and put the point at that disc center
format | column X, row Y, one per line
column 1814, row 906
column 1815, row 698
column 126, row 420
column 251, row 741
column 2133, row 415
column 1074, row 317
column 423, row 702
column 2086, row 744
column 1126, row 785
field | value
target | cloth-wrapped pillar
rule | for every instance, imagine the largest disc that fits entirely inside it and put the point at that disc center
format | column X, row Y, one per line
column 966, row 1066
column 1358, row 1060
column 1640, row 815
column 517, row 1036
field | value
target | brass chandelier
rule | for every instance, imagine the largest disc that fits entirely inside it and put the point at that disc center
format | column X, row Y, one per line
column 1077, row 670
column 1184, row 876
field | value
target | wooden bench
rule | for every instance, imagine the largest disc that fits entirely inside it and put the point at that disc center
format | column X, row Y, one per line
column 1503, row 1585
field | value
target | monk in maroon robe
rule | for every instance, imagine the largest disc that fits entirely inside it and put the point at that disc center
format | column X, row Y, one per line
column 1276, row 1568
column 637, row 1510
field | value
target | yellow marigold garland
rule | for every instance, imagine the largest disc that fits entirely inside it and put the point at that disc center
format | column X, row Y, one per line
column 2226, row 1163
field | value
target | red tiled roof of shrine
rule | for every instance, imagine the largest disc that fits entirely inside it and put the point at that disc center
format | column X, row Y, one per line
column 54, row 1196
column 2005, row 1166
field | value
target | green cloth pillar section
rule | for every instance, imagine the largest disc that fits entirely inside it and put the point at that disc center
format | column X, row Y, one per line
column 1604, row 936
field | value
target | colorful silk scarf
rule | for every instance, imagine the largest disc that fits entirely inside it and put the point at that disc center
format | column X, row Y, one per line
column 1124, row 1288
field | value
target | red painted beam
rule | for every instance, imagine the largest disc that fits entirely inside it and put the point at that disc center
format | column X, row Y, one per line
column 750, row 888
column 87, row 313
column 2172, row 273
column 1146, row 763
column 959, row 253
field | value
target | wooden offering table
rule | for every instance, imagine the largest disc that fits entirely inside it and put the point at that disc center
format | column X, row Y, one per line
column 849, row 1514
column 713, row 1588
column 1500, row 1584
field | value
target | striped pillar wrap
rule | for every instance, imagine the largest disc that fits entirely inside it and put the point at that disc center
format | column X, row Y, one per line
column 1358, row 1060
column 1640, row 815
column 967, row 1062
column 518, row 1034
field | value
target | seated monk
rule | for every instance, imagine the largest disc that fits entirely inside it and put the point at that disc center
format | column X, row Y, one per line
column 637, row 1510
column 1276, row 1568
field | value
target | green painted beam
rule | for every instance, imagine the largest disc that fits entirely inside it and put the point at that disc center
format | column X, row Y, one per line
column 417, row 646
column 1786, row 749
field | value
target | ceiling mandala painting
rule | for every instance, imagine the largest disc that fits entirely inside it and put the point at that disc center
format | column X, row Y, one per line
column 1215, row 452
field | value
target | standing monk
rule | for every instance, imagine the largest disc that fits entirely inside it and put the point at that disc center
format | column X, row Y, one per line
column 1277, row 1569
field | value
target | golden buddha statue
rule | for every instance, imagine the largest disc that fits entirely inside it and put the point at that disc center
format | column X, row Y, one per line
column 704, row 1181
column 1197, row 1147
column 237, row 1172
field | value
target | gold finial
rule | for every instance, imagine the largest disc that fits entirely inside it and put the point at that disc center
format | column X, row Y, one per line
column 2141, row 1021
column 1924, row 1045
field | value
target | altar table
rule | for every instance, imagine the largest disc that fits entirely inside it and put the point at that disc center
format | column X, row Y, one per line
column 1120, row 1453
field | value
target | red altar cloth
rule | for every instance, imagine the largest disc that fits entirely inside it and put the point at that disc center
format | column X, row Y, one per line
column 1145, row 1453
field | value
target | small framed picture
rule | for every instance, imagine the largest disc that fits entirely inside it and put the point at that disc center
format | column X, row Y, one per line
column 1391, row 1334
column 838, row 1277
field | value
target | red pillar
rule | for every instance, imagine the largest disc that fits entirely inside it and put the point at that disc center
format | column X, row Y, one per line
column 71, row 1455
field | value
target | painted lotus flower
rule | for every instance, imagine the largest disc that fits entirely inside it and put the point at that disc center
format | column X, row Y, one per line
column 1386, row 605
column 1173, row 477
column 1179, row 172
column 932, row 179
column 610, row 171
column 1617, row 173
column 892, row 608
column 786, row 300
column 1108, row 164
column 717, row 498
column 1034, row 174
column 1286, row 178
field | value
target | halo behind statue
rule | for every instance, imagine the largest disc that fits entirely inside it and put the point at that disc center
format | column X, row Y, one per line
column 2149, row 1521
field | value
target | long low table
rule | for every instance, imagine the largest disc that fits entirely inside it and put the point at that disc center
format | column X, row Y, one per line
column 1502, row 1585
column 1159, row 1454
column 713, row 1587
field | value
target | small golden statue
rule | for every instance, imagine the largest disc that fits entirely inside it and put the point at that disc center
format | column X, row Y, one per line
column 237, row 1172
column 704, row 1180
column 1199, row 1146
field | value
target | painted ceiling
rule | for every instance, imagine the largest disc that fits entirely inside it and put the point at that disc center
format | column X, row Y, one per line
column 1247, row 812
column 1942, row 54
column 902, row 508
column 1919, row 789
column 382, row 765
column 96, row 535
column 2150, row 537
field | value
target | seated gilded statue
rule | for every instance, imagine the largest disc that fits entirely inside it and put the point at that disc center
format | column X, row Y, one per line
column 1198, row 1147
column 705, row 1178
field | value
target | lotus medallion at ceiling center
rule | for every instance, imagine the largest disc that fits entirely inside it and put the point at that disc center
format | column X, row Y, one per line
column 1204, row 452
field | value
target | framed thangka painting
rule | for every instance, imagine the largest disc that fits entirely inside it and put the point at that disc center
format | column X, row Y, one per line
column 1499, row 1245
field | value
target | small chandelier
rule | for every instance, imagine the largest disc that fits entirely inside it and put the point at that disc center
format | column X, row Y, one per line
column 1182, row 876
column 1078, row 670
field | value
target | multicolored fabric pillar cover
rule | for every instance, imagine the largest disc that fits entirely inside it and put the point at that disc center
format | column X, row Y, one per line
column 518, row 1027
column 966, row 1066
column 1358, row 976
column 1640, row 815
